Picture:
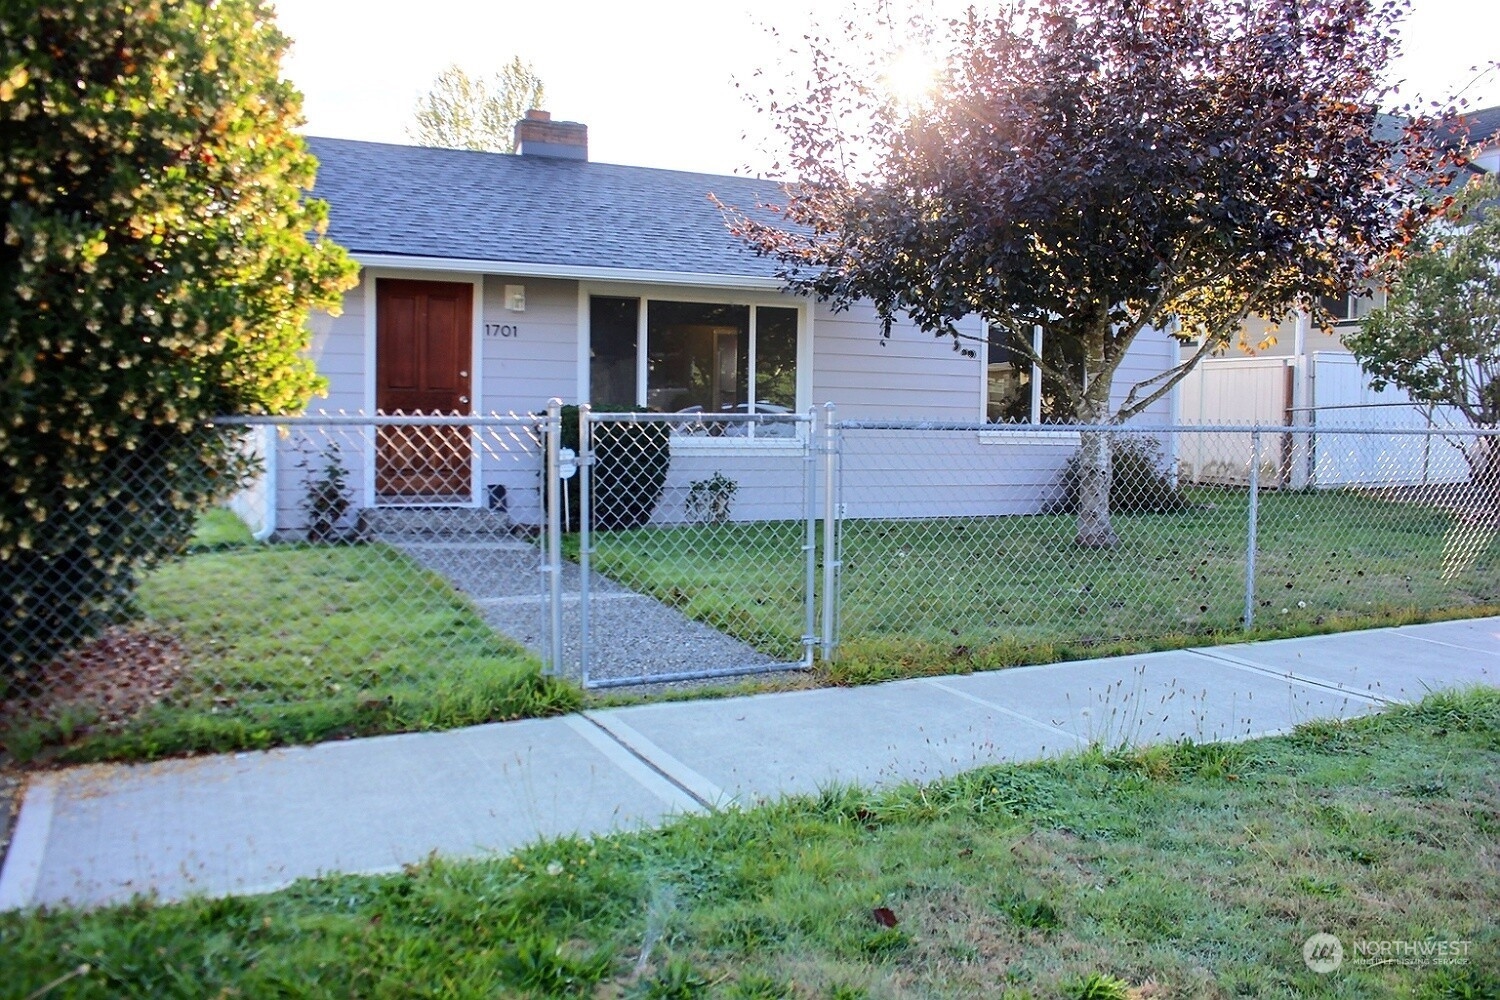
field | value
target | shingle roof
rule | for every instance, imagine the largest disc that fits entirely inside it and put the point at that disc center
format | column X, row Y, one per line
column 1483, row 125
column 423, row 202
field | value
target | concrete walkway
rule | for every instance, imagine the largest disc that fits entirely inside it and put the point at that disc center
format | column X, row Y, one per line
column 252, row 822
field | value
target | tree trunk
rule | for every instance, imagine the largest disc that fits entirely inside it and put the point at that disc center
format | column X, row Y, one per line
column 1095, row 462
column 1095, row 476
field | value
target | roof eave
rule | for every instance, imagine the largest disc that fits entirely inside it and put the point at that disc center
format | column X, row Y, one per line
column 567, row 271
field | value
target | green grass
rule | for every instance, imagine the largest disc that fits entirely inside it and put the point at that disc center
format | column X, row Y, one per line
column 219, row 529
column 290, row 644
column 1190, row 871
column 744, row 578
column 975, row 593
column 298, row 643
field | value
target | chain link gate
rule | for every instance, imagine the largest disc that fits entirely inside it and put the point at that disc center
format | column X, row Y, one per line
column 697, row 545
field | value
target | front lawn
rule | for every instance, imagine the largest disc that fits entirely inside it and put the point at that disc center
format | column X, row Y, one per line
column 972, row 593
column 1184, row 871
column 279, row 644
column 243, row 646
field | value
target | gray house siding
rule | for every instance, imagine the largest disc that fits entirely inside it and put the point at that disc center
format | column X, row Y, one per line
column 536, row 361
column 940, row 472
column 526, row 358
column 338, row 351
column 949, row 473
column 770, row 485
column 910, row 375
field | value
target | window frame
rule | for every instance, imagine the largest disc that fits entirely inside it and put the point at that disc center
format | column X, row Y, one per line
column 1356, row 307
column 1034, row 412
column 706, row 295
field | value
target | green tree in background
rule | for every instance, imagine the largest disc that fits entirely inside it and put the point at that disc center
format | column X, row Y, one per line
column 159, row 260
column 468, row 112
column 1438, row 336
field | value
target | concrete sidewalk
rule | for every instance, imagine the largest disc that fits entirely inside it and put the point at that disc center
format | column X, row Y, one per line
column 252, row 822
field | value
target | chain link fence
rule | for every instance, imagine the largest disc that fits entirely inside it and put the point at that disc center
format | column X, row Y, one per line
column 377, row 574
column 699, row 557
column 358, row 575
column 959, row 542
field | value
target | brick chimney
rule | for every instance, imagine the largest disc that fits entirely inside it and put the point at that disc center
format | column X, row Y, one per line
column 538, row 135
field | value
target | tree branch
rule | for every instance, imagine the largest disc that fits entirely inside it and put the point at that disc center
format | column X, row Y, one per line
column 1170, row 378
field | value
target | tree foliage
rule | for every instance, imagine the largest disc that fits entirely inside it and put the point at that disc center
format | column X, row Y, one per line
column 1438, row 335
column 468, row 112
column 158, row 264
column 1099, row 168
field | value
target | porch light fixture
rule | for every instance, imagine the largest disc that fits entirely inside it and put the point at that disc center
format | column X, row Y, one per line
column 515, row 298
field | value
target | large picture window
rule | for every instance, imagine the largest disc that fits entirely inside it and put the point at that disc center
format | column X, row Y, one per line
column 698, row 357
column 1017, row 390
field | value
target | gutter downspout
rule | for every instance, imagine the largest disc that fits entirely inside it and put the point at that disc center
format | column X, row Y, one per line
column 1302, row 388
column 273, row 461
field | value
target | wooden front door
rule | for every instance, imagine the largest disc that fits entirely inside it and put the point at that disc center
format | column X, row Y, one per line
column 423, row 356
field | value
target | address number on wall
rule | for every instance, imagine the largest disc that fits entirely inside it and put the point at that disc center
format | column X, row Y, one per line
column 501, row 330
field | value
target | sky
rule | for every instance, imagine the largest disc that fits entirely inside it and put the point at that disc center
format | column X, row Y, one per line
column 655, row 80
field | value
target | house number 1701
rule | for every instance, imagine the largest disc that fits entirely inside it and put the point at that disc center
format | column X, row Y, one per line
column 501, row 330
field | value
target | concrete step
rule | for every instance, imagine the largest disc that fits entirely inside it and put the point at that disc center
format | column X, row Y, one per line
column 414, row 523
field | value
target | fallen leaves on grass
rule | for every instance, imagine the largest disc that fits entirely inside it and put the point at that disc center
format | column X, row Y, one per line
column 113, row 678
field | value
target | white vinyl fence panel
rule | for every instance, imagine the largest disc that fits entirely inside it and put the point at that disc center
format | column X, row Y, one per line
column 1232, row 392
column 1345, row 399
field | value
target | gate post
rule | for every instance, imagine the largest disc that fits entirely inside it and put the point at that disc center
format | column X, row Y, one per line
column 831, row 511
column 552, row 560
column 585, row 532
column 810, row 539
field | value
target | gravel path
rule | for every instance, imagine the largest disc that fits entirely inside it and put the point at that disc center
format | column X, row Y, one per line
column 635, row 635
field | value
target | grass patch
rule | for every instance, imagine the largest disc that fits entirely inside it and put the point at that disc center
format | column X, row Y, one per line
column 290, row 644
column 958, row 594
column 1178, row 871
column 219, row 529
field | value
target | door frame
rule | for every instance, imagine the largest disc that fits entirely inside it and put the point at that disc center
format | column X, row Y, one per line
column 476, row 374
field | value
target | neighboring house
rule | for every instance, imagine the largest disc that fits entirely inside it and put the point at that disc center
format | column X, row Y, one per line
column 1295, row 373
column 491, row 283
column 1482, row 130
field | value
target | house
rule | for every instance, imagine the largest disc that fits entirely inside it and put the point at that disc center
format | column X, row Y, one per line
column 1482, row 133
column 491, row 283
column 1298, row 374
